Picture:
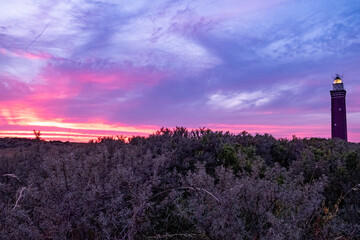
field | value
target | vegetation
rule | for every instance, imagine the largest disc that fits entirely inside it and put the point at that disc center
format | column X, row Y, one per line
column 180, row 184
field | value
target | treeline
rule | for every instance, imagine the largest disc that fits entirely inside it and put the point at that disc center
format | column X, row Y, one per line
column 180, row 184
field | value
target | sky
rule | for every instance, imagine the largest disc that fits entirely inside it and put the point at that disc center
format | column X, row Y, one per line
column 79, row 69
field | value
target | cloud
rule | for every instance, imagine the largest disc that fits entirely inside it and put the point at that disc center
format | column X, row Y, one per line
column 245, row 100
column 169, row 63
column 12, row 89
column 240, row 100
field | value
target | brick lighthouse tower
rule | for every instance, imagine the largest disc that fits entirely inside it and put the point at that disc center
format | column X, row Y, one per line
column 338, row 110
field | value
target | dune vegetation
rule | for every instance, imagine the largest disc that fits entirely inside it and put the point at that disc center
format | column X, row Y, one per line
column 180, row 184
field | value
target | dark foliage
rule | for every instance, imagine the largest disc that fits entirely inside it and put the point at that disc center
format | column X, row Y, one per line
column 180, row 184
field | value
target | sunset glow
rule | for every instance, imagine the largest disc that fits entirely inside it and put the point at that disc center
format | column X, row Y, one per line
column 76, row 70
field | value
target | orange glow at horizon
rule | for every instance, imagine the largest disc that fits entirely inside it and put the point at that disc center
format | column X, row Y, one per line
column 20, row 116
column 87, row 133
column 91, row 131
column 20, row 119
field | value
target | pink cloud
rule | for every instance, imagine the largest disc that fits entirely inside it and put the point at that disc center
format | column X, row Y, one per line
column 45, row 103
column 114, row 78
column 27, row 54
column 73, row 74
column 42, row 56
column 12, row 88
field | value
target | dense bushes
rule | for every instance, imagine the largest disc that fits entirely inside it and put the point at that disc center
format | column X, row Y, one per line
column 180, row 184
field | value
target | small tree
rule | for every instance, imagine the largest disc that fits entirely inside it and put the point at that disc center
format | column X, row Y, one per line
column 37, row 135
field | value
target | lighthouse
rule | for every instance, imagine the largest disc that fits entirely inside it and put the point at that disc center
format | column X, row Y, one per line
column 338, row 110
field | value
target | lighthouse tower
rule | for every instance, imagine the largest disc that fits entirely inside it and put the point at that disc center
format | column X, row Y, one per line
column 338, row 110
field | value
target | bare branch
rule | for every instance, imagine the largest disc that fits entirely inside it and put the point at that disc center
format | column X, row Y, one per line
column 19, row 197
column 11, row 175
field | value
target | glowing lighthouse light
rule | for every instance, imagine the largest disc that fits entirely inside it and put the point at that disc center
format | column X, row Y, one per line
column 337, row 79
